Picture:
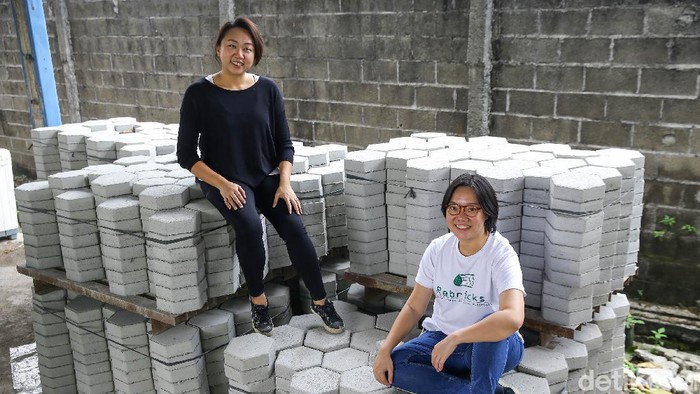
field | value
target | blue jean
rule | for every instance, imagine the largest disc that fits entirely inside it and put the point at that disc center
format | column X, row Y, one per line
column 471, row 368
column 249, row 235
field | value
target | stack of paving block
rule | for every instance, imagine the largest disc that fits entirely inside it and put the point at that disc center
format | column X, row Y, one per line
column 609, row 229
column 366, row 211
column 222, row 274
column 53, row 345
column 47, row 157
column 278, row 300
column 548, row 366
column 338, row 266
column 508, row 183
column 249, row 364
column 317, row 156
column 37, row 216
column 71, row 147
column 631, row 167
column 572, row 248
column 80, row 242
column 216, row 329
column 69, row 180
column 128, row 352
column 396, row 206
column 333, row 183
column 535, row 206
column 123, row 245
column 178, row 361
column 426, row 181
column 101, row 148
column 610, row 318
column 134, row 144
column 309, row 190
column 93, row 371
column 175, row 251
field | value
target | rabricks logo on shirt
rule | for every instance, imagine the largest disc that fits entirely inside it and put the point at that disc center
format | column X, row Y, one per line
column 463, row 297
column 466, row 280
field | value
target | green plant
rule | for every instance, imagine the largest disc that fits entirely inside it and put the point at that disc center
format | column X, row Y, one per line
column 658, row 336
column 631, row 321
column 668, row 223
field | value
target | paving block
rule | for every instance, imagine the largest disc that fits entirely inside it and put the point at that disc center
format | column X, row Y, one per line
column 366, row 340
column 566, row 319
column 290, row 361
column 315, row 380
column 173, row 222
column 65, row 180
column 576, row 353
column 345, row 359
column 579, row 188
column 620, row 304
column 545, row 363
column 287, row 337
column 306, row 322
column 176, row 344
column 320, row 339
column 364, row 161
column 360, row 381
column 386, row 320
column 250, row 351
column 574, row 223
column 164, row 197
column 503, row 179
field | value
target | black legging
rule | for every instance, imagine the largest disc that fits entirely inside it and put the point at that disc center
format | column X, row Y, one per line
column 249, row 233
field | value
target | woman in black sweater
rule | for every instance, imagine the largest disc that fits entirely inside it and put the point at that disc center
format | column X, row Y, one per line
column 244, row 164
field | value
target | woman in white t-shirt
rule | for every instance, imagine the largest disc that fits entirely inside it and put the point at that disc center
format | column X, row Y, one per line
column 472, row 337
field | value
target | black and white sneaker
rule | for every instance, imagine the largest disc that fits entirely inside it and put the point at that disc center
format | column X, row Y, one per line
column 331, row 320
column 262, row 322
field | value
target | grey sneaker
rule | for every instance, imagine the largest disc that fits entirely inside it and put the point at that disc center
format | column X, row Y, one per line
column 262, row 322
column 331, row 320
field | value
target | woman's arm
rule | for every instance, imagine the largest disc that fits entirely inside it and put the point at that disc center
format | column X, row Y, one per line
column 284, row 190
column 232, row 193
column 412, row 311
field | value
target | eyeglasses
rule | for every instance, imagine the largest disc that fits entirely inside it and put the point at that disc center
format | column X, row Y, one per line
column 455, row 209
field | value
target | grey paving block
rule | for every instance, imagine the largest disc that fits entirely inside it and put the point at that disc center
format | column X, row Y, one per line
column 386, row 320
column 261, row 386
column 566, row 319
column 164, row 197
column 305, row 322
column 574, row 223
column 176, row 344
column 250, row 351
column 345, row 359
column 118, row 209
column 69, row 180
column 315, row 380
column 287, row 337
column 363, row 161
column 620, row 304
column 361, row 380
column 290, row 361
column 113, row 184
column 576, row 353
column 579, row 188
column 625, row 166
column 428, row 169
column 320, row 339
column 173, row 222
column 545, row 363
column 366, row 340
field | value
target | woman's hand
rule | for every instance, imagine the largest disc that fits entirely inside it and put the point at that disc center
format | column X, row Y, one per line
column 233, row 195
column 286, row 193
column 442, row 351
column 383, row 368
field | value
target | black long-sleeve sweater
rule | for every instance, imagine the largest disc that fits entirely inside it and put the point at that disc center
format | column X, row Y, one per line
column 241, row 134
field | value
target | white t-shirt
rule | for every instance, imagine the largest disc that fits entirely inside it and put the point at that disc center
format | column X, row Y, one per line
column 467, row 289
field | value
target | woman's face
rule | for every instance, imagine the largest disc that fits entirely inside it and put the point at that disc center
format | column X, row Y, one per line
column 236, row 51
column 463, row 226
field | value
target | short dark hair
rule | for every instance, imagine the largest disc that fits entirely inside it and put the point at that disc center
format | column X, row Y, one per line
column 485, row 195
column 245, row 23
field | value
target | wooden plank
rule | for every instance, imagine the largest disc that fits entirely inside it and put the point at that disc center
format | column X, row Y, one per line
column 142, row 305
column 397, row 284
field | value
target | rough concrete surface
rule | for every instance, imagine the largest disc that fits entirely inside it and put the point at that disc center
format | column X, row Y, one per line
column 15, row 307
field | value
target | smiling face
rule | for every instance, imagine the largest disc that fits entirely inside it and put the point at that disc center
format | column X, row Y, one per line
column 236, row 51
column 464, row 227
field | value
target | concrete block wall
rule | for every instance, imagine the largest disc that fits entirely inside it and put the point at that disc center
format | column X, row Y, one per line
column 595, row 75
column 344, row 65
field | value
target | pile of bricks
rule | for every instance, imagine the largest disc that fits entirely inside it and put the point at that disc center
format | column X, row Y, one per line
column 574, row 217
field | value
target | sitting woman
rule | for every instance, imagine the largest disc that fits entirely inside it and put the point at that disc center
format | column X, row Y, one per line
column 472, row 337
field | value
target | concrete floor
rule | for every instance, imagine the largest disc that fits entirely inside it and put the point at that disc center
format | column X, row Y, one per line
column 15, row 307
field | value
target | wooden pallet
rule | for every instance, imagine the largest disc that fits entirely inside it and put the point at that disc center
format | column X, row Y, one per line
column 397, row 284
column 143, row 305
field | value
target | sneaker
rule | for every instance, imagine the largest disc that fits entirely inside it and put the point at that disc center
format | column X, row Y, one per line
column 331, row 321
column 262, row 322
